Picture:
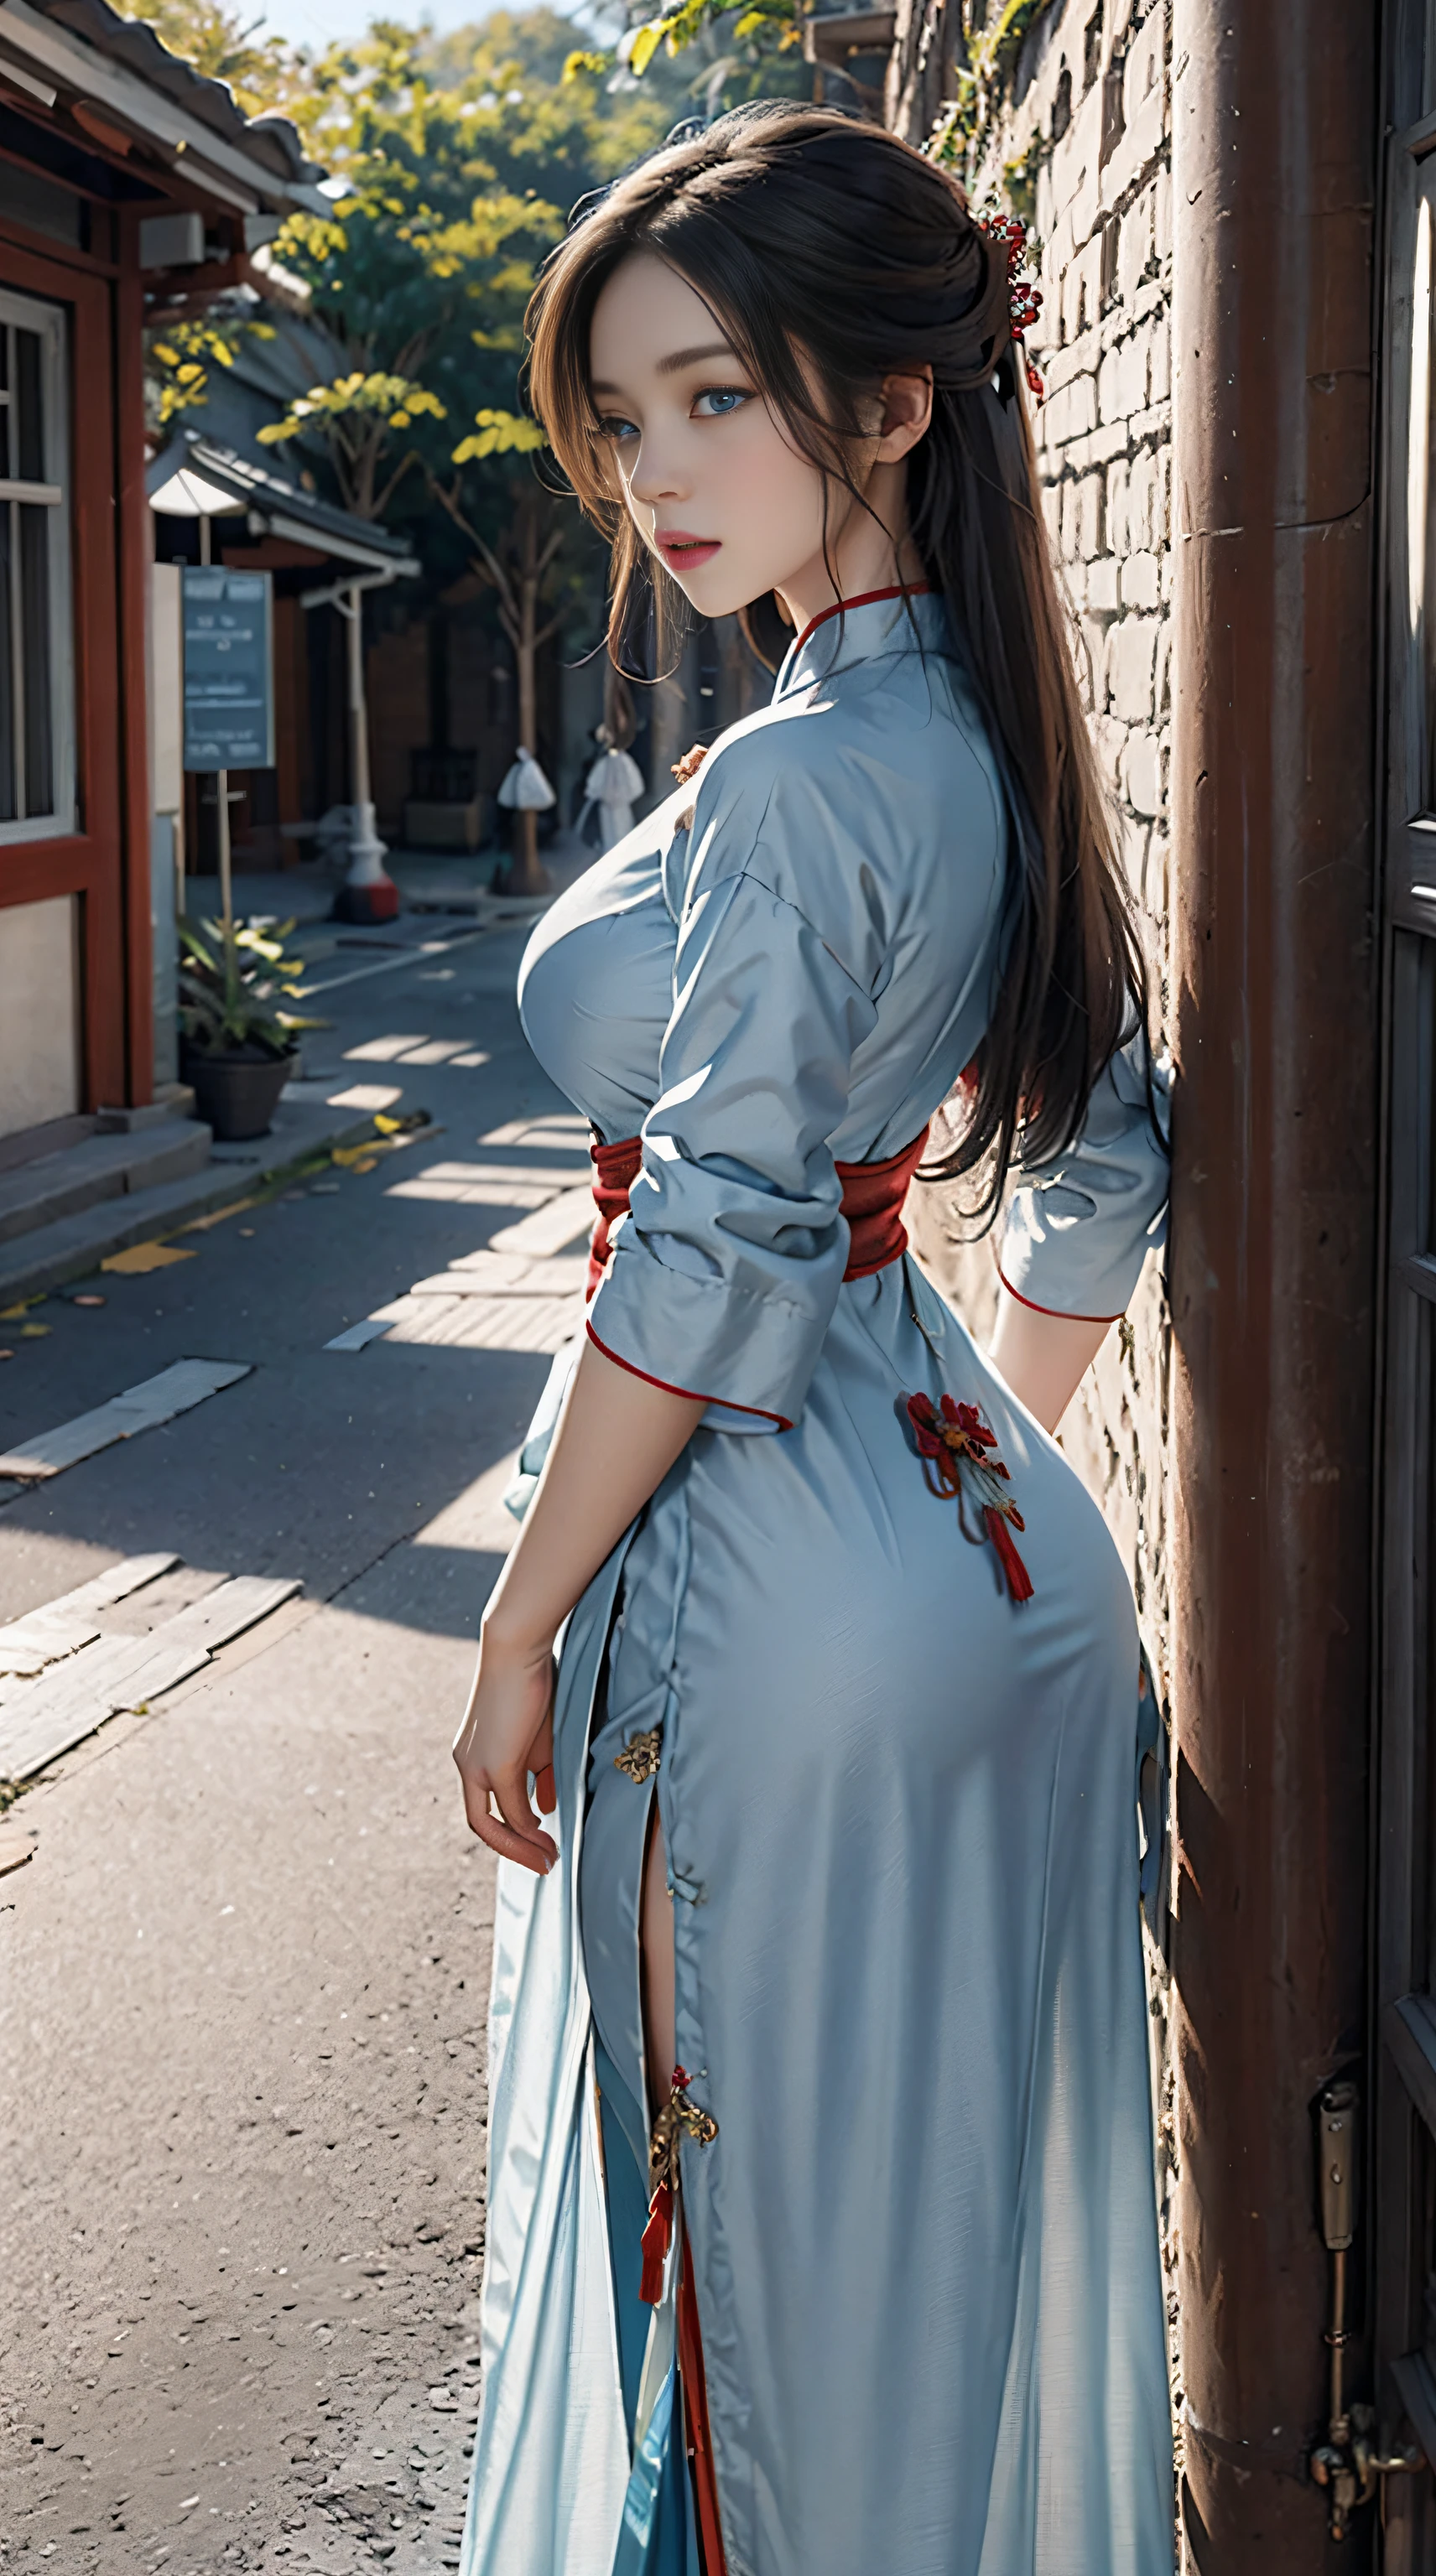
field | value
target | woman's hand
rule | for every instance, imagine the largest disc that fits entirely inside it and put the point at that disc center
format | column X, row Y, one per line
column 616, row 1439
column 508, row 1732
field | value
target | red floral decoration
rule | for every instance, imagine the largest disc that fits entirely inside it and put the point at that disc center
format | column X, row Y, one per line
column 1024, row 302
column 959, row 1456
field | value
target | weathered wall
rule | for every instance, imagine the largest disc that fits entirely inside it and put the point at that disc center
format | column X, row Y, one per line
column 1085, row 127
column 1091, row 115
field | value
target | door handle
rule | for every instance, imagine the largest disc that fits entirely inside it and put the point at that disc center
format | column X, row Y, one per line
column 1354, row 2459
column 1353, row 2468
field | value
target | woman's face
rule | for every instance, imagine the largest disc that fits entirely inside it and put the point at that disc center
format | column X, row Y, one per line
column 710, row 477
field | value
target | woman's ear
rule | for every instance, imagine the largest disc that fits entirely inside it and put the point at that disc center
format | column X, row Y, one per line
column 907, row 411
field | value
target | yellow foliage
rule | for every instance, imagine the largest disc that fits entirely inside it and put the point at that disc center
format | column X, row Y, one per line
column 645, row 45
column 500, row 433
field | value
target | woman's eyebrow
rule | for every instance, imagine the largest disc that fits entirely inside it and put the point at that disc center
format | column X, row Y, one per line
column 674, row 365
column 682, row 358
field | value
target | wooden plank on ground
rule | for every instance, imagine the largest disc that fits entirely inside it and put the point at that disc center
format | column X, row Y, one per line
column 507, row 1274
column 490, row 1323
column 357, row 1337
column 141, row 1408
column 28, row 1645
column 62, row 1626
column 556, row 1131
column 478, row 1185
column 42, row 1719
column 226, row 1612
column 548, row 1230
column 116, row 1583
column 67, row 1703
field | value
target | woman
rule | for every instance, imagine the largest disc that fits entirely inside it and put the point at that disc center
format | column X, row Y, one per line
column 821, row 2225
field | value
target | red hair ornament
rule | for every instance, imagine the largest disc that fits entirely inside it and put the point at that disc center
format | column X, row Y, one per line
column 959, row 1457
column 1008, row 233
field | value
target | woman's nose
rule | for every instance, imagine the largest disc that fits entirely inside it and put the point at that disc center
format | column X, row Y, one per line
column 656, row 476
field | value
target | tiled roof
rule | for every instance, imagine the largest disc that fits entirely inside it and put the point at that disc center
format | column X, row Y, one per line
column 269, row 145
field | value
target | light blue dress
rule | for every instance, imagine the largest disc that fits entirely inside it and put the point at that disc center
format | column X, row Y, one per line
column 898, row 1805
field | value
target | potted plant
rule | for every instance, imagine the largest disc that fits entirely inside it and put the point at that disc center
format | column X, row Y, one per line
column 239, row 1046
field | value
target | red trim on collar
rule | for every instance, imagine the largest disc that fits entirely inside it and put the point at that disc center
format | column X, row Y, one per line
column 1034, row 1309
column 693, row 1396
column 864, row 599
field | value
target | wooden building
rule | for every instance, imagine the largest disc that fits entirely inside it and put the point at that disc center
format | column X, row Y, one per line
column 316, row 554
column 125, row 180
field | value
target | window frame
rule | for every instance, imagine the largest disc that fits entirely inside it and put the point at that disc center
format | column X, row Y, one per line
column 51, row 324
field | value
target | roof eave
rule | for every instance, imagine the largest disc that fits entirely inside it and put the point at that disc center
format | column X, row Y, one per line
column 217, row 165
column 284, row 510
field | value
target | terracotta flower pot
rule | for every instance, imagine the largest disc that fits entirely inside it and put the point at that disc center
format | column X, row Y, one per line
column 237, row 1092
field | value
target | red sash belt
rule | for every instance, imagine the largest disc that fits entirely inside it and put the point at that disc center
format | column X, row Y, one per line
column 873, row 1195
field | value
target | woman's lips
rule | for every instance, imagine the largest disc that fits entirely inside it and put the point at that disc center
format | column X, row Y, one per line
column 683, row 553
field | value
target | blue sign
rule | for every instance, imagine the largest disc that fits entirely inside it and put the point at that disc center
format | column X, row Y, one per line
column 228, row 668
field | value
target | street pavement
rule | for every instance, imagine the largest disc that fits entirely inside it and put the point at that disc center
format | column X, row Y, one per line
column 243, row 1978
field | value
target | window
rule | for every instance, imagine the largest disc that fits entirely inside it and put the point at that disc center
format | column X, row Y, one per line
column 37, row 754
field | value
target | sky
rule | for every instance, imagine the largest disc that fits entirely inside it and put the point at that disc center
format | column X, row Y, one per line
column 327, row 22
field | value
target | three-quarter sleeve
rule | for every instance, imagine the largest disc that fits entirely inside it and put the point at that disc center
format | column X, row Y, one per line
column 1080, row 1226
column 724, row 1274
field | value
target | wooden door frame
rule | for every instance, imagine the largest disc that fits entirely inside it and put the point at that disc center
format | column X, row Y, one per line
column 1403, row 2026
column 1275, row 139
column 105, row 860
column 134, row 537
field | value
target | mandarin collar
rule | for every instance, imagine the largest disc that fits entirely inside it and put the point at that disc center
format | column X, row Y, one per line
column 860, row 630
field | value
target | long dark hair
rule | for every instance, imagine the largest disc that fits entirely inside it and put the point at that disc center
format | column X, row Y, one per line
column 812, row 238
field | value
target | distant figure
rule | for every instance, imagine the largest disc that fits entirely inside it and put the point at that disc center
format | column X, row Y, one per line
column 611, row 786
column 527, row 794
column 525, row 785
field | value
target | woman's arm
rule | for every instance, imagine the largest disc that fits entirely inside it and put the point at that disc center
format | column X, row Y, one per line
column 616, row 1439
column 1042, row 1357
column 1078, row 1231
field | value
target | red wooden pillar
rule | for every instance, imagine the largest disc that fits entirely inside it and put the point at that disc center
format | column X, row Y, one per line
column 134, row 546
column 1275, row 133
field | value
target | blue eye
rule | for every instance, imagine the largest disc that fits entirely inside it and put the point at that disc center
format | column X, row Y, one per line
column 724, row 399
column 614, row 427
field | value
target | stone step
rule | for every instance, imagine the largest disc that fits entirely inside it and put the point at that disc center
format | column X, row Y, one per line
column 75, row 1245
column 71, row 1246
column 104, row 1167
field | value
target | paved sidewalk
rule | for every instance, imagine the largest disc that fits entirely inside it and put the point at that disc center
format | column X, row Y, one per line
column 447, row 907
column 243, row 1977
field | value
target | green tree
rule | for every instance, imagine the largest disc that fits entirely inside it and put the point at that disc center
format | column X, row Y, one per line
column 988, row 48
column 221, row 42
column 180, row 356
column 524, row 565
column 263, row 72
column 728, row 53
column 455, row 163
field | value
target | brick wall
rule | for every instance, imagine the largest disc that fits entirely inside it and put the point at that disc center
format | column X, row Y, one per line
column 1086, row 129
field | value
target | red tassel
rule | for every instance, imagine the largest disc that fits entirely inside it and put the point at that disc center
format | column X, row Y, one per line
column 657, row 2237
column 1019, row 1581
